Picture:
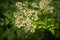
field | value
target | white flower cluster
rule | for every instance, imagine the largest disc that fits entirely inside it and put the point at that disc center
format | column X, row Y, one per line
column 25, row 15
column 44, row 3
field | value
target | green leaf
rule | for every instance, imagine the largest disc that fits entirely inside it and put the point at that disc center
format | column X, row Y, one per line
column 8, row 14
column 6, row 21
column 1, row 22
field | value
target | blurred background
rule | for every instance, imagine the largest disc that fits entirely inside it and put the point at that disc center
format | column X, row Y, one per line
column 29, row 19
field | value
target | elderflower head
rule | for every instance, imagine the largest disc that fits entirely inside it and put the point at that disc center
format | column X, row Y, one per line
column 44, row 3
column 23, row 17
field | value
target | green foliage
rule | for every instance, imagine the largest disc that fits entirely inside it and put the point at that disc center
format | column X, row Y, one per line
column 47, row 24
